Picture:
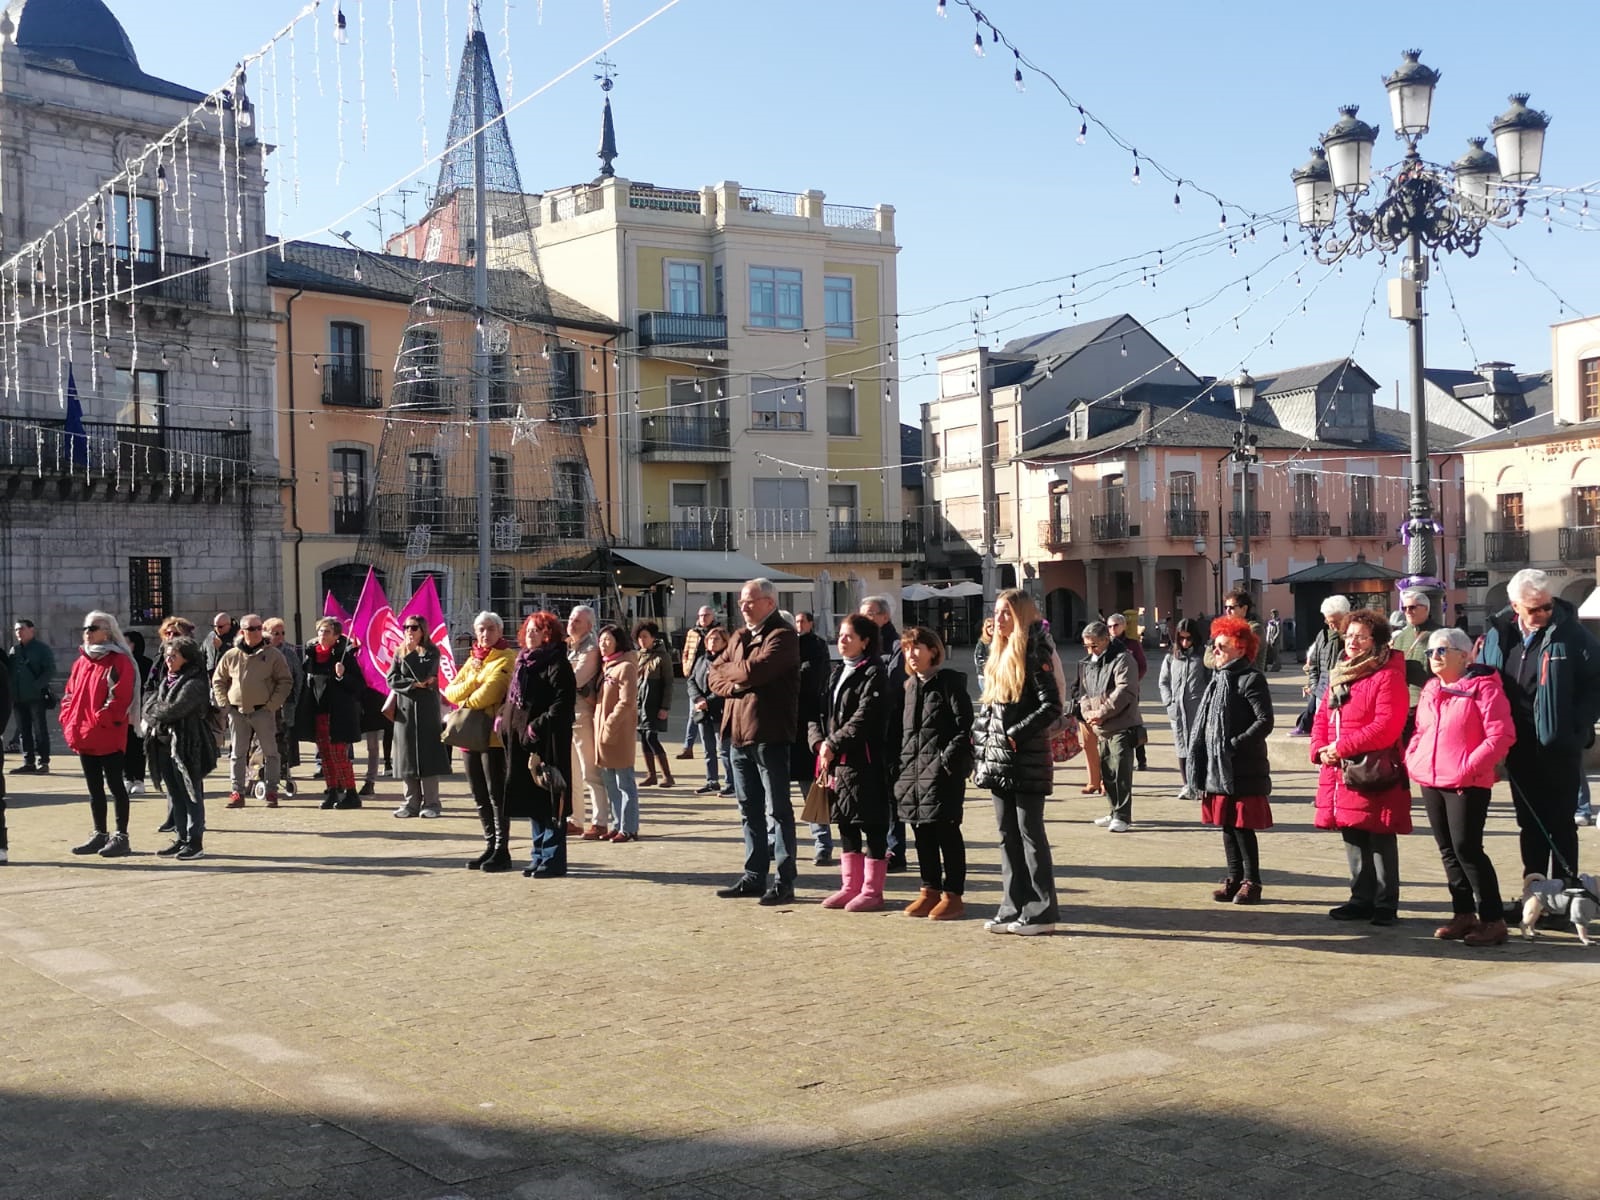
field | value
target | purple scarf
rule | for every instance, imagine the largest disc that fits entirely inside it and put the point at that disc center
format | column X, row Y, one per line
column 529, row 662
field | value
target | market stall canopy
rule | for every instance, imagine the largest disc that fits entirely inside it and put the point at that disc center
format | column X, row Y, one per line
column 919, row 591
column 706, row 570
column 965, row 588
column 1340, row 572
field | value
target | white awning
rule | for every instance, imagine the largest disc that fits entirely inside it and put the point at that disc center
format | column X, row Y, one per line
column 919, row 591
column 1589, row 610
column 711, row 570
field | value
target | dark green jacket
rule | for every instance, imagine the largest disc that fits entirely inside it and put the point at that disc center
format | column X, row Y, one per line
column 32, row 666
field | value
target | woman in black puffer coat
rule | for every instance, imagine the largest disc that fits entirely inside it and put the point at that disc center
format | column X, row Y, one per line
column 329, row 712
column 536, row 725
column 848, row 738
column 1011, row 740
column 935, row 760
column 1228, row 756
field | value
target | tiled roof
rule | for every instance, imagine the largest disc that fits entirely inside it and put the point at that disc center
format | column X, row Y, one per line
column 1309, row 378
column 83, row 38
column 1541, row 427
column 1059, row 344
column 319, row 268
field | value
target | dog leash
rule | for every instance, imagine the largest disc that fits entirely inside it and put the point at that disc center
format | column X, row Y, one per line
column 1576, row 888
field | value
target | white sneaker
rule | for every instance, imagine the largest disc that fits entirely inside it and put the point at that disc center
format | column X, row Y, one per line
column 1581, row 819
column 3, row 859
column 1118, row 825
column 1021, row 930
column 993, row 925
column 136, row 787
column 1103, row 821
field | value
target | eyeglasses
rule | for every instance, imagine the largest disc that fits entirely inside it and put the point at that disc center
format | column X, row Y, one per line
column 251, row 628
column 91, row 628
column 1414, row 607
column 1223, row 644
column 1539, row 608
column 1229, row 607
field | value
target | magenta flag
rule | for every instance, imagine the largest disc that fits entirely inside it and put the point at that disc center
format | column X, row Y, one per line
column 375, row 628
column 332, row 608
column 424, row 603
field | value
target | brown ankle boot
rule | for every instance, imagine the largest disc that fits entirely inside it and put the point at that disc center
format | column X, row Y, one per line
column 924, row 904
column 950, row 908
column 1460, row 925
column 1488, row 933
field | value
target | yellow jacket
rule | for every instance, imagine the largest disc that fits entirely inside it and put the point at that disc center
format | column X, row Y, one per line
column 482, row 684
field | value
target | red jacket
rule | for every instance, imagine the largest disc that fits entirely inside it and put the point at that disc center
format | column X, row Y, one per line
column 1463, row 730
column 1373, row 717
column 95, row 704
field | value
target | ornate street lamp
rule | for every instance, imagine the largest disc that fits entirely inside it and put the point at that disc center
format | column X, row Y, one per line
column 1425, row 209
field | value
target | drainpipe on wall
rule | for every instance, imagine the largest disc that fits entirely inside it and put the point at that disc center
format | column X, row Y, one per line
column 294, row 471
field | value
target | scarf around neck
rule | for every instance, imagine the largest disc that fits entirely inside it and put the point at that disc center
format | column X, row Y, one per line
column 529, row 661
column 482, row 652
column 1349, row 670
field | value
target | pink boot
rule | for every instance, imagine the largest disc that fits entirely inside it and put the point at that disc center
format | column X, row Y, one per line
column 850, row 874
column 871, row 897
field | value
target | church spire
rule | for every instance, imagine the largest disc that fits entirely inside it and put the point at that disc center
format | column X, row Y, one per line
column 608, row 130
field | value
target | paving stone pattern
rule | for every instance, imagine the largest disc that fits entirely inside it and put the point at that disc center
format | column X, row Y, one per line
column 328, row 1005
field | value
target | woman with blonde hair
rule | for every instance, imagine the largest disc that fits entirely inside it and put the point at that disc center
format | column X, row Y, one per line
column 1021, row 698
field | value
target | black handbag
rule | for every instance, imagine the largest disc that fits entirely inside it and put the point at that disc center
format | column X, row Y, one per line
column 48, row 697
column 468, row 729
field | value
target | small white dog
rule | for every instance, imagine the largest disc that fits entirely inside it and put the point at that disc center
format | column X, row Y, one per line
column 1541, row 895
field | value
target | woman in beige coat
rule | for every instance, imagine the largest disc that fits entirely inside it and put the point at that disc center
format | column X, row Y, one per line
column 616, row 718
column 584, row 655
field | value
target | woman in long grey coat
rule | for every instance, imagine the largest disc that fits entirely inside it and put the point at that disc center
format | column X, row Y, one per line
column 176, row 718
column 419, row 756
column 1183, row 682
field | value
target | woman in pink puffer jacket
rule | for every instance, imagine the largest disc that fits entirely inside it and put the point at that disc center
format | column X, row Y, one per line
column 1464, row 729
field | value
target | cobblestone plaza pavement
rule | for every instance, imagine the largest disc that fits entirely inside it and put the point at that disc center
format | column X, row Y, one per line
column 328, row 1005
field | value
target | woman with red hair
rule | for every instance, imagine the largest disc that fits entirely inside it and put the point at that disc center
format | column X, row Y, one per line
column 1227, row 761
column 536, row 724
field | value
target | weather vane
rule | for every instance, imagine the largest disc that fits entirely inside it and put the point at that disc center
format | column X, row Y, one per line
column 608, row 69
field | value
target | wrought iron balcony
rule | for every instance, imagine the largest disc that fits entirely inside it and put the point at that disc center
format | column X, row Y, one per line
column 1055, row 535
column 884, row 539
column 1187, row 523
column 1109, row 527
column 1580, row 543
column 160, row 460
column 713, row 534
column 708, row 331
column 1509, row 546
column 1306, row 522
column 681, row 436
column 348, row 386
column 1367, row 524
column 156, row 277
column 1260, row 523
column 350, row 516
column 452, row 521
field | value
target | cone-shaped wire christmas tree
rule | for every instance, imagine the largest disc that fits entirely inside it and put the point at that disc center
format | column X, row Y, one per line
column 482, row 470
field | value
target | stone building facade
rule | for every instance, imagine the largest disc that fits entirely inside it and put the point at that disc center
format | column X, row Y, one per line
column 167, row 500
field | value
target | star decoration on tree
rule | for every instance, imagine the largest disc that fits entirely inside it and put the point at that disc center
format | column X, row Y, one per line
column 524, row 428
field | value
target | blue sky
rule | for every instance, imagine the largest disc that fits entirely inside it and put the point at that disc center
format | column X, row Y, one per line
column 878, row 101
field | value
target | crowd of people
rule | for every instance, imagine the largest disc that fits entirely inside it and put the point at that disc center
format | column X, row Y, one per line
column 881, row 740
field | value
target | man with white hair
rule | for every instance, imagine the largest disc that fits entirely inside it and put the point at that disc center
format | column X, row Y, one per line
column 1411, row 642
column 759, row 677
column 694, row 648
column 1550, row 666
column 1325, row 650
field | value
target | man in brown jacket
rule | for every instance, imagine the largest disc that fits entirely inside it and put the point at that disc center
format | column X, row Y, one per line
column 252, row 682
column 759, row 676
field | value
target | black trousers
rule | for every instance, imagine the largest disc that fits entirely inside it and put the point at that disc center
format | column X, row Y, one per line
column 875, row 837
column 941, row 856
column 486, row 772
column 102, row 771
column 1242, row 851
column 1544, row 787
column 1457, row 818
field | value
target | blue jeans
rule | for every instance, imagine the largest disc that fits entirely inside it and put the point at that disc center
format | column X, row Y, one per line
column 623, row 792
column 712, row 757
column 1584, row 809
column 766, row 809
column 692, row 730
column 188, row 812
column 550, row 845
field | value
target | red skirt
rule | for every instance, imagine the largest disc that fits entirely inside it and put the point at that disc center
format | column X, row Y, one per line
column 1236, row 812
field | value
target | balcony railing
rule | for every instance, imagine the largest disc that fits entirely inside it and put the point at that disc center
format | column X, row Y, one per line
column 887, row 538
column 784, row 204
column 703, row 330
column 168, row 278
column 1109, row 527
column 1509, row 546
column 714, row 534
column 682, row 433
column 1055, row 535
column 577, row 405
column 1188, row 523
column 1580, row 543
column 1306, row 522
column 350, row 517
column 848, row 216
column 431, row 394
column 1366, row 524
column 452, row 521
column 680, row 200
column 124, row 456
column 780, row 522
column 1260, row 523
column 347, row 386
